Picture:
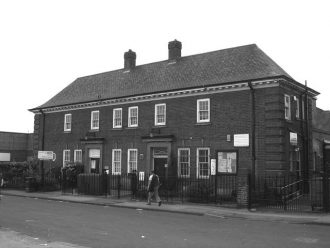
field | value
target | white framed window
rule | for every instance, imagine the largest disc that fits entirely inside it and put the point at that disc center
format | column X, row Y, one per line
column 297, row 108
column 67, row 122
column 203, row 162
column 183, row 162
column 133, row 113
column 95, row 120
column 77, row 156
column 116, row 161
column 287, row 107
column 203, row 110
column 66, row 157
column 132, row 155
column 117, row 118
column 160, row 114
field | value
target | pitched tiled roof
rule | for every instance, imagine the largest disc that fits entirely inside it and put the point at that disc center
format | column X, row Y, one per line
column 212, row 68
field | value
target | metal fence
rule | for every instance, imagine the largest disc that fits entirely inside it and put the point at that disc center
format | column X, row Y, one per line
column 289, row 193
column 215, row 189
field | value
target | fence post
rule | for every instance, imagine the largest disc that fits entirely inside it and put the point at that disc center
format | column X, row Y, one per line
column 118, row 186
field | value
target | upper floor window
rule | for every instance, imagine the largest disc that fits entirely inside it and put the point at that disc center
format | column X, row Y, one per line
column 287, row 107
column 133, row 116
column 95, row 120
column 67, row 122
column 77, row 156
column 117, row 118
column 297, row 108
column 116, row 161
column 132, row 160
column 203, row 162
column 184, row 162
column 160, row 114
column 66, row 157
column 203, row 110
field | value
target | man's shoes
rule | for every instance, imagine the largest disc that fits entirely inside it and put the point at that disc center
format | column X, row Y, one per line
column 148, row 204
column 159, row 203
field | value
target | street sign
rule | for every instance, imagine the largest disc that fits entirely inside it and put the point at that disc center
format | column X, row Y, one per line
column 46, row 155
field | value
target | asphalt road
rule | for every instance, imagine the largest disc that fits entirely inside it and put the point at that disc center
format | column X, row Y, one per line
column 97, row 226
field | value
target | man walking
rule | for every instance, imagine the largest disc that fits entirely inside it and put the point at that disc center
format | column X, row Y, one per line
column 153, row 186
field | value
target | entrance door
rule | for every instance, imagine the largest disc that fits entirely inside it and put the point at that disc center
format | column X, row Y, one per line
column 159, row 167
column 94, row 165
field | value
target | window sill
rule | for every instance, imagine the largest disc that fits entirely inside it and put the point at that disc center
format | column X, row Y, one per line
column 67, row 131
column 132, row 127
column 202, row 123
column 117, row 128
column 94, row 130
column 159, row 126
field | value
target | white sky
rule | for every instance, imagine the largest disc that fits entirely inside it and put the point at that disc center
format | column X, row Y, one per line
column 46, row 44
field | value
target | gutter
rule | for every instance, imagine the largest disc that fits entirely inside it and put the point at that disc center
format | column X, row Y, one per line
column 253, row 138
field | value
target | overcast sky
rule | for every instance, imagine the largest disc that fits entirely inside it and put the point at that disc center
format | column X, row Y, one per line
column 45, row 45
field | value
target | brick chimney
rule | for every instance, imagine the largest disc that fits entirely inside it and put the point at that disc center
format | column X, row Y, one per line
column 174, row 50
column 129, row 59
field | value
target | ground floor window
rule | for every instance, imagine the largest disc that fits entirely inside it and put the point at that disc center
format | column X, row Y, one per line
column 77, row 156
column 184, row 162
column 203, row 162
column 66, row 157
column 132, row 160
column 116, row 161
column 295, row 164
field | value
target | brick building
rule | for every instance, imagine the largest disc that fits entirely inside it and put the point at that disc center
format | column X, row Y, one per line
column 15, row 147
column 232, row 111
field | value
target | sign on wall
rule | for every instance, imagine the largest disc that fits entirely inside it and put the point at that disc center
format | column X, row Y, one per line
column 46, row 155
column 293, row 139
column 241, row 140
column 4, row 156
column 213, row 166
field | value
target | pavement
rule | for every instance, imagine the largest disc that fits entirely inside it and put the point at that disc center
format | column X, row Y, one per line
column 186, row 208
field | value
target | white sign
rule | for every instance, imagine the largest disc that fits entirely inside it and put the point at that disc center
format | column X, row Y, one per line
column 94, row 153
column 4, row 156
column 46, row 155
column 293, row 139
column 213, row 167
column 141, row 176
column 241, row 140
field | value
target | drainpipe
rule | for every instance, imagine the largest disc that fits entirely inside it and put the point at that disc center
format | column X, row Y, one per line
column 253, row 117
column 42, row 148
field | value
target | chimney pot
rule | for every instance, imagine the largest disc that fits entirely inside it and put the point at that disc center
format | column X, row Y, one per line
column 174, row 49
column 129, row 59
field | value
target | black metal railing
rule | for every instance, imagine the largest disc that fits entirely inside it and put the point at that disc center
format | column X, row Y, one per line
column 218, row 189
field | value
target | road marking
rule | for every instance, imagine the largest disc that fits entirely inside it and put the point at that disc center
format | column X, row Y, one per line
column 214, row 215
column 30, row 220
column 306, row 240
column 142, row 236
column 139, row 209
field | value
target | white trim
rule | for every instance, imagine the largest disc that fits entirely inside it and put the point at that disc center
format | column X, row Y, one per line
column 179, row 166
column 166, row 95
column 113, row 167
column 197, row 162
column 208, row 110
column 128, row 159
column 65, row 122
column 64, row 161
column 75, row 155
column 156, row 112
column 137, row 116
column 114, row 115
column 98, row 122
